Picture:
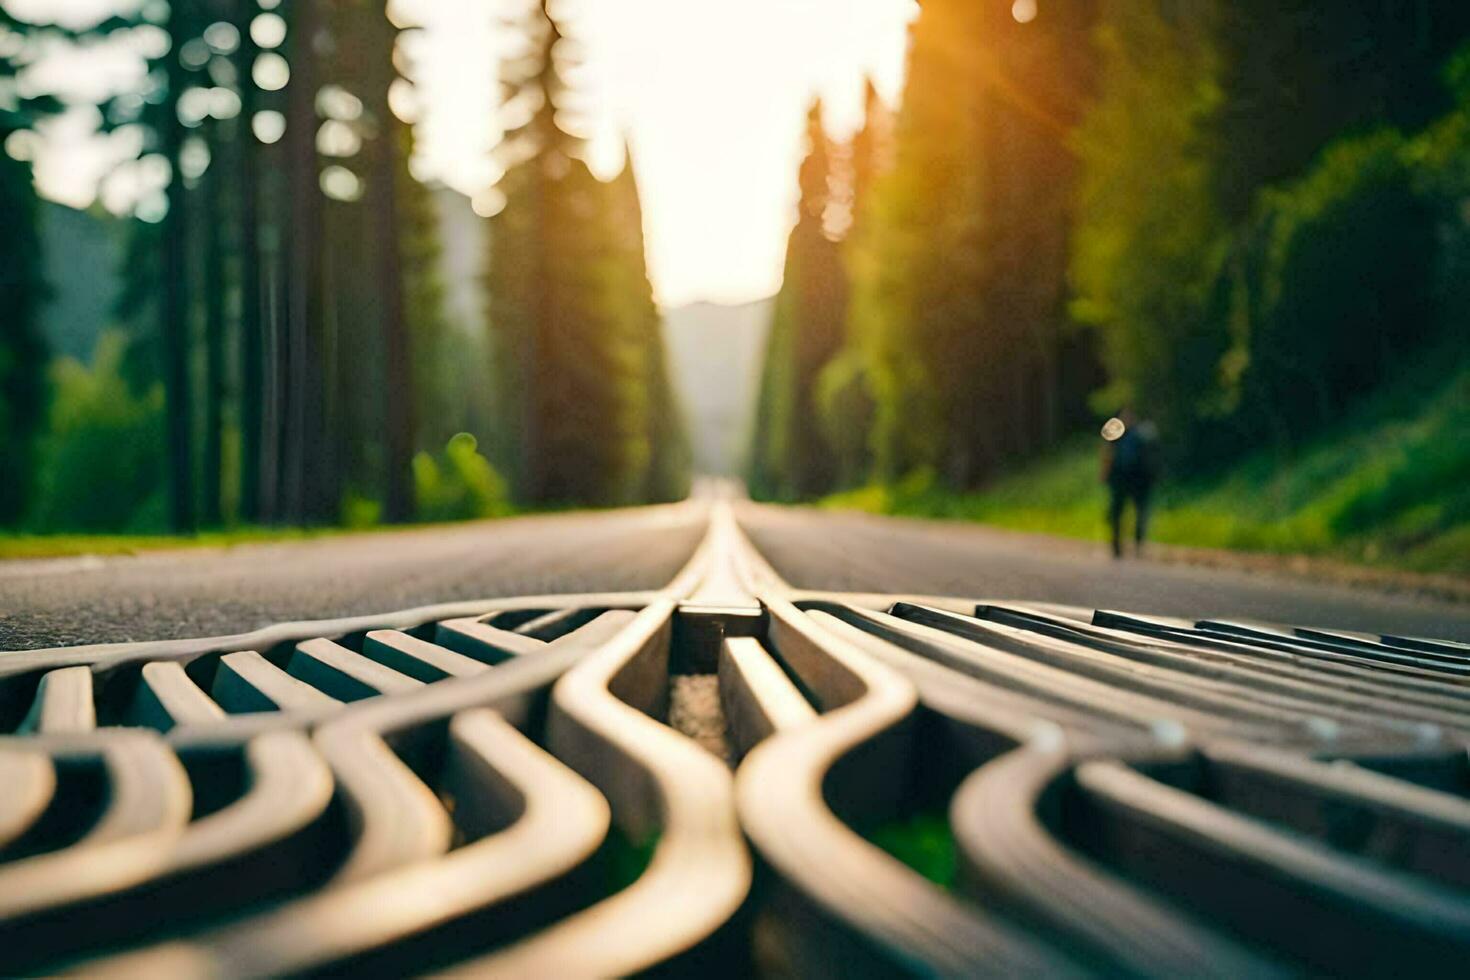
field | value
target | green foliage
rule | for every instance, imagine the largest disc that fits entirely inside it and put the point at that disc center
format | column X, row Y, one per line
column 1298, row 74
column 590, row 416
column 955, row 345
column 1386, row 483
column 924, row 842
column 916, row 268
column 460, row 485
column 623, row 859
column 1439, row 159
column 1335, row 289
column 671, row 457
column 102, row 459
column 22, row 350
column 1250, row 260
column 845, row 407
column 791, row 458
column 1148, row 238
column 23, row 289
column 360, row 511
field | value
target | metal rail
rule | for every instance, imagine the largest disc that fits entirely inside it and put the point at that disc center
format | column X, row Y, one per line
column 498, row 787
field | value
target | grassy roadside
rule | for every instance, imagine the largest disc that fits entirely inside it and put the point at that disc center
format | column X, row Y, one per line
column 72, row 545
column 1389, row 487
column 26, row 546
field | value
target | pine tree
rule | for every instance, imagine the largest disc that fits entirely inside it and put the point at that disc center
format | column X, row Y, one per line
column 791, row 456
column 845, row 386
column 525, row 304
column 664, row 453
column 391, row 195
column 175, row 335
column 570, row 301
column 919, row 264
column 958, row 253
column 254, row 296
column 310, row 487
column 23, row 290
column 871, row 155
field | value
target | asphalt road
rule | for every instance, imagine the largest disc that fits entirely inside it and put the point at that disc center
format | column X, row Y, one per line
column 862, row 553
column 205, row 593
column 195, row 593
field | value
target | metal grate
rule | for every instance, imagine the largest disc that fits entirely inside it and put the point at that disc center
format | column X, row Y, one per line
column 495, row 787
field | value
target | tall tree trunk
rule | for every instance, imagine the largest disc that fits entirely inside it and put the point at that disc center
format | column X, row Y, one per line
column 274, row 351
column 540, row 348
column 308, row 477
column 216, row 335
column 174, row 308
column 397, row 343
column 252, row 287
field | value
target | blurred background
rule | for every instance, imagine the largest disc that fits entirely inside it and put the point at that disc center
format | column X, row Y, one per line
column 272, row 264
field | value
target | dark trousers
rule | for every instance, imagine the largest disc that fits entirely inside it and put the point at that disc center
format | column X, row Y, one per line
column 1120, row 494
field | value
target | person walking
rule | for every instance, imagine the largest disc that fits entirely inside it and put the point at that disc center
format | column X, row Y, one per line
column 1129, row 468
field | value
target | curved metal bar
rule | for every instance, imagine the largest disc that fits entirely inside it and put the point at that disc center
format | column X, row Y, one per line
column 1338, row 913
column 103, row 656
column 415, row 912
column 1355, row 688
column 247, row 682
column 1454, row 667
column 759, row 700
column 654, row 779
column 1062, row 687
column 880, row 905
column 29, row 780
column 145, row 814
column 395, row 819
column 1176, row 683
column 167, row 696
column 347, row 676
column 1419, row 830
column 1010, row 858
column 480, row 641
column 420, row 913
column 63, row 703
column 409, row 655
column 1285, row 644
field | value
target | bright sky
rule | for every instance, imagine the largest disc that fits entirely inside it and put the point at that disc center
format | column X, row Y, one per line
column 712, row 95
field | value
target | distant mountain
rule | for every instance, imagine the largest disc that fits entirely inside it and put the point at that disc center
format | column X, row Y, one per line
column 464, row 247
column 82, row 255
column 715, row 354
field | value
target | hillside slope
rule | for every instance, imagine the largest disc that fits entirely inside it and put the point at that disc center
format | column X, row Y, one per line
column 715, row 355
column 1389, row 485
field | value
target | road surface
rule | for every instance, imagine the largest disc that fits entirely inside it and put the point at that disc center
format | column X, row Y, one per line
column 205, row 593
column 853, row 552
column 212, row 592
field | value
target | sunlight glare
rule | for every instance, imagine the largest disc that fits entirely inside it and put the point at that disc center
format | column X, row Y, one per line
column 268, row 126
column 712, row 97
column 268, row 30
column 270, row 72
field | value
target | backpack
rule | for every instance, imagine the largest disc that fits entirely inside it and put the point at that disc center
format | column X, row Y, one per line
column 1135, row 454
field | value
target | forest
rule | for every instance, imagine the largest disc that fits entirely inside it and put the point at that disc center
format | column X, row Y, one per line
column 281, row 351
column 1246, row 220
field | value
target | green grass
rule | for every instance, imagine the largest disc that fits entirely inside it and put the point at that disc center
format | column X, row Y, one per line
column 1389, row 486
column 625, row 859
column 68, row 545
column 64, row 545
column 924, row 842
